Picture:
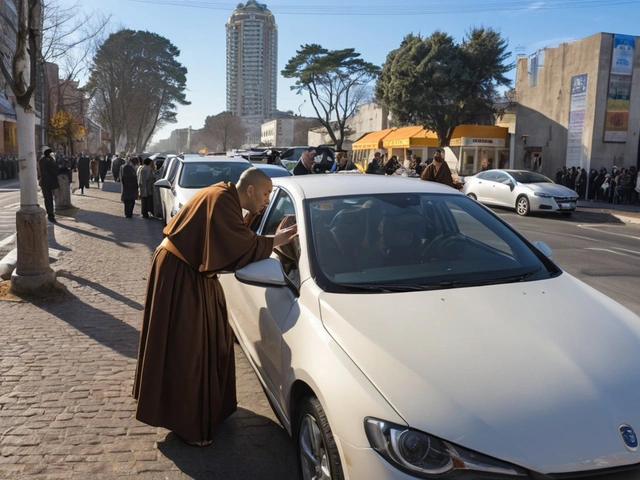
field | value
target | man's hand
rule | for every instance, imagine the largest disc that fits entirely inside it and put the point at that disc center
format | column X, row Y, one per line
column 285, row 235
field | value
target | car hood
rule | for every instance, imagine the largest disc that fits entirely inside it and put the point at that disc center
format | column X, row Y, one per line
column 550, row 188
column 539, row 373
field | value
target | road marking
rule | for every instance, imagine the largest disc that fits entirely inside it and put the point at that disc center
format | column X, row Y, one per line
column 609, row 232
column 621, row 252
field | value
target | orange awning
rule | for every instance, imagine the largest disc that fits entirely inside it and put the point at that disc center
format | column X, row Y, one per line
column 410, row 137
column 372, row 140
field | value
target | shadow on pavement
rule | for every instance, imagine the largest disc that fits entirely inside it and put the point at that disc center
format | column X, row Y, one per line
column 272, row 454
column 102, row 327
column 100, row 288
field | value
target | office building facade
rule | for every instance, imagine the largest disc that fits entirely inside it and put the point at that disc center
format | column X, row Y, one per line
column 252, row 62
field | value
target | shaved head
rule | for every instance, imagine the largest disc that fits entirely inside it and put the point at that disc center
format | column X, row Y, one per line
column 254, row 189
column 252, row 176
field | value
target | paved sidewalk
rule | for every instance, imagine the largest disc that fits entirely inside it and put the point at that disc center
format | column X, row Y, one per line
column 67, row 368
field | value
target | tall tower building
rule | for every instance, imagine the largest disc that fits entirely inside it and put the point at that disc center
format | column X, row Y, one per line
column 252, row 62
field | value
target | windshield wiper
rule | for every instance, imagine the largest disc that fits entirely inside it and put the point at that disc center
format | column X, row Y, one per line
column 475, row 283
column 384, row 288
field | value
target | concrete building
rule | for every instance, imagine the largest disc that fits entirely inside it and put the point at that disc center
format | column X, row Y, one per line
column 369, row 117
column 288, row 131
column 252, row 66
column 178, row 142
column 579, row 105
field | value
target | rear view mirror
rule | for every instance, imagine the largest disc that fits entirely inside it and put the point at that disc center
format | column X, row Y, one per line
column 163, row 183
column 266, row 273
column 544, row 248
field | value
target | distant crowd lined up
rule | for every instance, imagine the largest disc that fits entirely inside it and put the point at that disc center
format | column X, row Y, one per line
column 8, row 167
column 618, row 186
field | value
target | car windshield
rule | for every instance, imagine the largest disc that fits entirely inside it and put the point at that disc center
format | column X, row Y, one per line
column 530, row 177
column 404, row 242
column 204, row 174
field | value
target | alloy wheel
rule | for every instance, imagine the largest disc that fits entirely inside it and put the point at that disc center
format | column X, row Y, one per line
column 313, row 451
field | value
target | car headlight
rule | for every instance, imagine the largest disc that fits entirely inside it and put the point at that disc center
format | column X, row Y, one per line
column 426, row 456
column 543, row 195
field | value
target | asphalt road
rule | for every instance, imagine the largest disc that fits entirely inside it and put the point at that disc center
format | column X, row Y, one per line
column 595, row 247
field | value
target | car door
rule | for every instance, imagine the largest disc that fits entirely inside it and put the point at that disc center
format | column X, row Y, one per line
column 503, row 190
column 261, row 313
column 484, row 187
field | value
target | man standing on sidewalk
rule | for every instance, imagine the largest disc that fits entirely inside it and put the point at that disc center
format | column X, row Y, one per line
column 185, row 376
column 49, row 170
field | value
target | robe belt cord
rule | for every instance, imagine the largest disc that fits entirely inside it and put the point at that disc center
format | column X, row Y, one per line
column 171, row 248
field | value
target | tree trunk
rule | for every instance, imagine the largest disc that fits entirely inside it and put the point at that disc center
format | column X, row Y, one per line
column 33, row 273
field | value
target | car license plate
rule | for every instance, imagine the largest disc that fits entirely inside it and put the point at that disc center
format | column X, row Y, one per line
column 567, row 205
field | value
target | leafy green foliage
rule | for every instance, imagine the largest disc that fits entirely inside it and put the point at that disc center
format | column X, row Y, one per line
column 439, row 84
column 137, row 84
column 336, row 82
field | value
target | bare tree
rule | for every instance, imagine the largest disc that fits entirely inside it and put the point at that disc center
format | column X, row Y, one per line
column 222, row 132
column 19, row 63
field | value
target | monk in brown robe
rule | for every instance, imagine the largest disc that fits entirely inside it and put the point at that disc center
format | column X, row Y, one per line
column 185, row 376
column 438, row 170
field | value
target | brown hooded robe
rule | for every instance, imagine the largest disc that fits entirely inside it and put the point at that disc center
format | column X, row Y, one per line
column 442, row 175
column 185, row 376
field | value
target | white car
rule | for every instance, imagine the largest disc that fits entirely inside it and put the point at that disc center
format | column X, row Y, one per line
column 523, row 190
column 409, row 332
column 185, row 176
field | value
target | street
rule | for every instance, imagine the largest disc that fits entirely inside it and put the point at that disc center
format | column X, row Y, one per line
column 595, row 247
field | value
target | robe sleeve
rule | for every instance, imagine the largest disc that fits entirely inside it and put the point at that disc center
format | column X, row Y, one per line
column 230, row 244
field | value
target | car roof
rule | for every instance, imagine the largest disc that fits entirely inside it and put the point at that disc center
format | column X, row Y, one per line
column 198, row 158
column 330, row 185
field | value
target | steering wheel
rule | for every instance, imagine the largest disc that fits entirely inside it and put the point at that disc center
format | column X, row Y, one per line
column 436, row 248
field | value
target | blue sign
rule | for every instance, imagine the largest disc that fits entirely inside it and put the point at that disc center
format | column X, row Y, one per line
column 629, row 437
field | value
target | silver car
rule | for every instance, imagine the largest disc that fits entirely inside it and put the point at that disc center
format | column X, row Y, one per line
column 523, row 190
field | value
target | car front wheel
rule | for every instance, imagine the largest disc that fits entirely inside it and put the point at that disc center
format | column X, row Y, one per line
column 317, row 451
column 472, row 196
column 522, row 206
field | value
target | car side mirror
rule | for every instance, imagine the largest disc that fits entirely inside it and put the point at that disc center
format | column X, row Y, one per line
column 544, row 248
column 511, row 185
column 163, row 183
column 264, row 273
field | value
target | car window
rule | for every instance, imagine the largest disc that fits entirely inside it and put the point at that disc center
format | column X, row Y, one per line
column 173, row 169
column 282, row 207
column 204, row 174
column 530, row 177
column 502, row 177
column 415, row 241
column 490, row 176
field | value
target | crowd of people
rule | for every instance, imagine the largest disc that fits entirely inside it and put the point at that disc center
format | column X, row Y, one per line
column 8, row 167
column 621, row 185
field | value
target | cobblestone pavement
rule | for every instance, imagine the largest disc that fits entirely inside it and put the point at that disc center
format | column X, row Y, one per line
column 67, row 368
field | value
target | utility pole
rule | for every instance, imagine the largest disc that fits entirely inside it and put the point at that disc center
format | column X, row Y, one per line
column 33, row 273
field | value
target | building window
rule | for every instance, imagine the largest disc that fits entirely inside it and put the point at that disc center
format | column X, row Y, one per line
column 536, row 61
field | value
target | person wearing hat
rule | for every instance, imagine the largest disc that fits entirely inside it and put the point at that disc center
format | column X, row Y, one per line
column 307, row 162
column 48, row 168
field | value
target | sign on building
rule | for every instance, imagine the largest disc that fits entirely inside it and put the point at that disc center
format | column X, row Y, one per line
column 576, row 150
column 617, row 114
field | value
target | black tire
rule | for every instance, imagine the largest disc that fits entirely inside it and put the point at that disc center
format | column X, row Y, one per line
column 472, row 196
column 316, row 461
column 522, row 206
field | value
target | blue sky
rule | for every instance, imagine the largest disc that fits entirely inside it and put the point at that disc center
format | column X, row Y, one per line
column 371, row 27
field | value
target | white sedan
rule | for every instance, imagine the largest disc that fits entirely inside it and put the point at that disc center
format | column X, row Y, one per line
column 409, row 332
column 186, row 175
column 523, row 190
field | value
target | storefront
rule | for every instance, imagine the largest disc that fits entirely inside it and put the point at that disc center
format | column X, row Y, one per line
column 364, row 147
column 409, row 140
column 478, row 148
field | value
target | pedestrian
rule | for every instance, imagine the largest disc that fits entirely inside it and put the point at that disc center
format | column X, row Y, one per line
column 374, row 166
column 103, row 166
column 116, row 165
column 48, row 169
column 83, row 172
column 129, row 185
column 438, row 170
column 419, row 166
column 145, row 183
column 307, row 162
column 185, row 375
column 94, row 165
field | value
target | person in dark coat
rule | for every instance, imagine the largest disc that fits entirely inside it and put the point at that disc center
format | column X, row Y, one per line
column 48, row 168
column 129, row 185
column 185, row 375
column 83, row 173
